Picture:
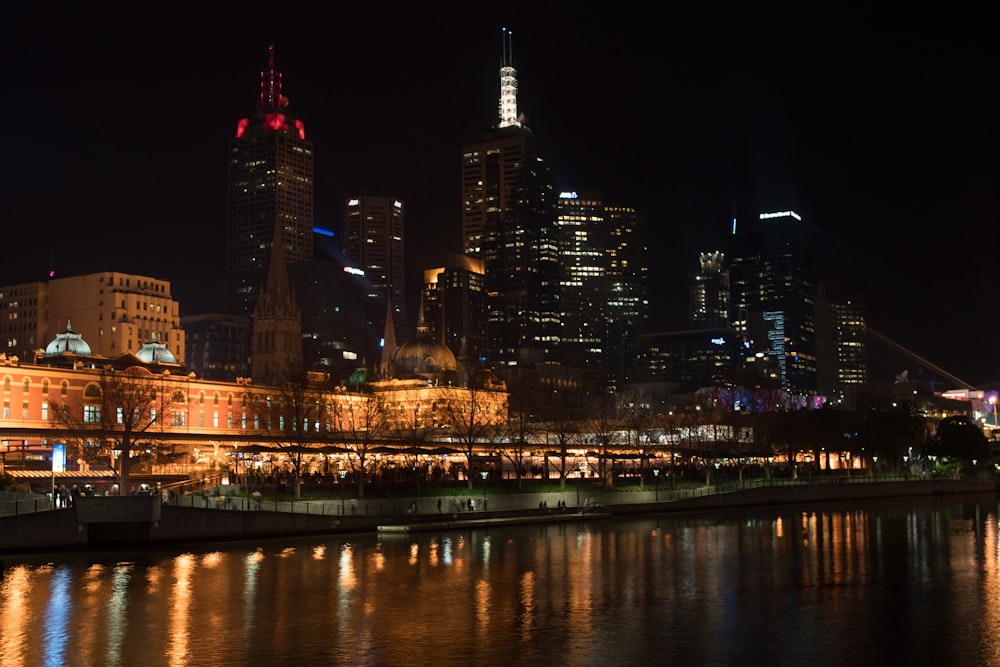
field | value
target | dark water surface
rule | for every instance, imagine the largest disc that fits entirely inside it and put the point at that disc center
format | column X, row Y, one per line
column 901, row 582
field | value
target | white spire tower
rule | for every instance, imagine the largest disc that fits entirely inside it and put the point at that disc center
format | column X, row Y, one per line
column 508, row 84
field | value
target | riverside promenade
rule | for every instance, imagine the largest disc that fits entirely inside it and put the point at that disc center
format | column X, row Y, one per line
column 222, row 514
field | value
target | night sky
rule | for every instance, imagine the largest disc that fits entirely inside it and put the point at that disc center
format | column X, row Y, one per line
column 880, row 130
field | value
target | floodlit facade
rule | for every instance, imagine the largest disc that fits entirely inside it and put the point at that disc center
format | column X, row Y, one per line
column 116, row 312
column 64, row 398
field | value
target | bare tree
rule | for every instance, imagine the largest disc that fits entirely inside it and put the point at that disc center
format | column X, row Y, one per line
column 604, row 424
column 120, row 411
column 563, row 406
column 361, row 420
column 640, row 428
column 517, row 430
column 295, row 414
column 471, row 417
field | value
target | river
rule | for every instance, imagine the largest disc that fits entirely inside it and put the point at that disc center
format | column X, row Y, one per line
column 911, row 581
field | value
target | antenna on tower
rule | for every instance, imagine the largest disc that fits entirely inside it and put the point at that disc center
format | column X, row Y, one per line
column 508, row 82
column 270, row 85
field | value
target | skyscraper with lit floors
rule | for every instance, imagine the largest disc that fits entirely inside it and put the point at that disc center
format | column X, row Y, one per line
column 509, row 221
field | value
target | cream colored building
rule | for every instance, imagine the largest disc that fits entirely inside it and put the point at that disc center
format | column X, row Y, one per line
column 116, row 312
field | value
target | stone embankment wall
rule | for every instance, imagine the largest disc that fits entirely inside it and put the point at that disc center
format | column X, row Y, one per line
column 144, row 520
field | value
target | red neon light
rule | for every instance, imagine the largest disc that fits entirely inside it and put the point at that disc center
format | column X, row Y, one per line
column 275, row 121
column 241, row 127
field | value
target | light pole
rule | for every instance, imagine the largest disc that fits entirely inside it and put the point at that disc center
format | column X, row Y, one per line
column 579, row 475
column 993, row 401
column 656, row 475
column 485, row 474
column 343, row 474
column 874, row 465
column 117, row 454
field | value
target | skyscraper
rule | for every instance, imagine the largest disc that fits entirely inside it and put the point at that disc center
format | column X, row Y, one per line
column 628, row 295
column 773, row 299
column 373, row 241
column 270, row 186
column 454, row 307
column 509, row 221
column 841, row 342
column 584, row 305
column 709, row 302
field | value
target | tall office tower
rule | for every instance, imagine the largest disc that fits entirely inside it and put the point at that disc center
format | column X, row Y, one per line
column 23, row 320
column 218, row 346
column 841, row 349
column 373, row 240
column 454, row 307
column 116, row 312
column 270, row 187
column 628, row 295
column 709, row 304
column 773, row 300
column 584, row 287
column 509, row 221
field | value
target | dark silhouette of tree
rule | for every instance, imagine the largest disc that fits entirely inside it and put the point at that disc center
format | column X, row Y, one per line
column 562, row 406
column 295, row 416
column 517, row 430
column 471, row 417
column 120, row 411
column 604, row 424
column 957, row 437
column 361, row 420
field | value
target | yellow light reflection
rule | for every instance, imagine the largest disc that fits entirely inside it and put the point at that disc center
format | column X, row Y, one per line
column 178, row 651
column 15, row 615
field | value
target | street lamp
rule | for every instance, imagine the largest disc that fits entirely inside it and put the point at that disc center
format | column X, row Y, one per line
column 656, row 476
column 343, row 474
column 116, row 452
column 485, row 474
column 875, row 465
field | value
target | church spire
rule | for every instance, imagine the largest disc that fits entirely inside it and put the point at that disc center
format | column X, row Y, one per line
column 422, row 329
column 277, row 321
column 388, row 344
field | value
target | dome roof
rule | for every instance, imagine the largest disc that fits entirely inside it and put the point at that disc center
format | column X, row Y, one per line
column 424, row 355
column 67, row 341
column 154, row 352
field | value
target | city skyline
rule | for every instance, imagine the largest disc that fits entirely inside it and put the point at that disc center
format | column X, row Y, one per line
column 851, row 126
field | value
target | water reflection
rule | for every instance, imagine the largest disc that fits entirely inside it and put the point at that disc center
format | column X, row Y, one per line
column 885, row 582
